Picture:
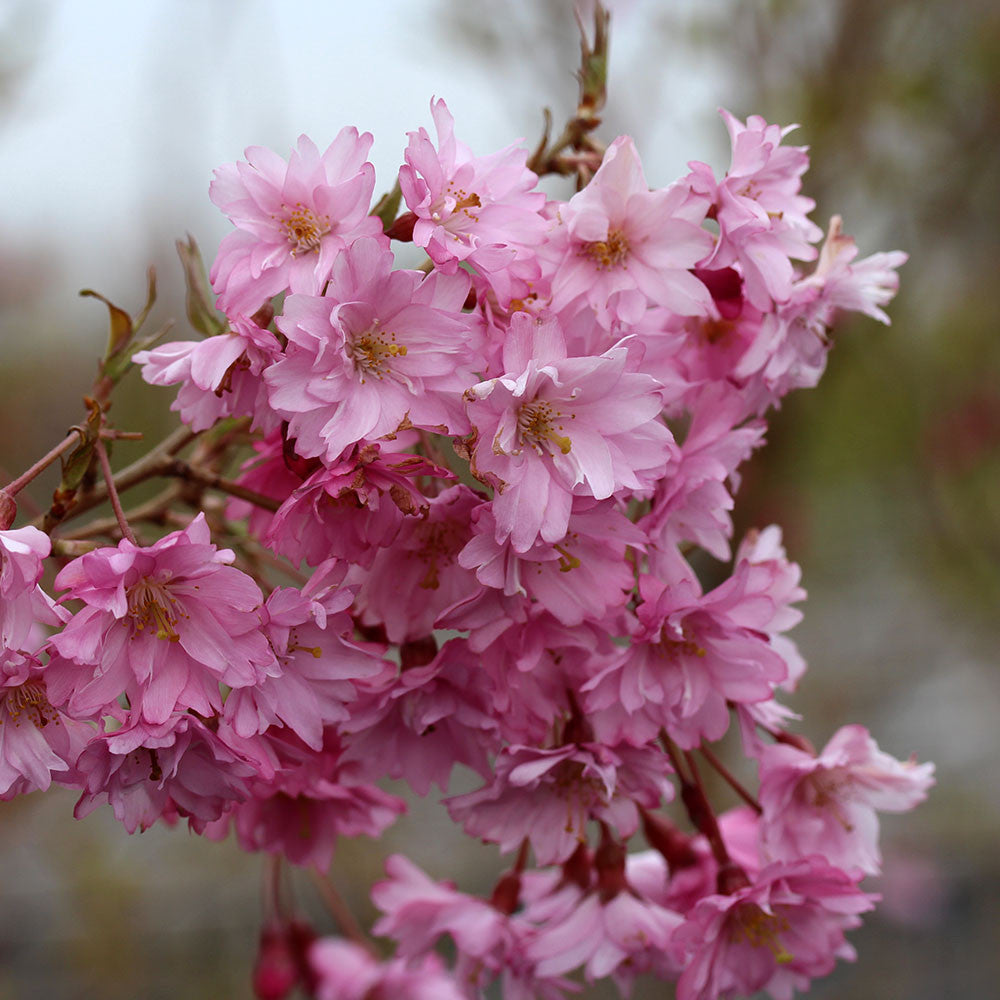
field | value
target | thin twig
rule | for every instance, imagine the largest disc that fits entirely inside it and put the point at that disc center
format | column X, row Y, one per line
column 109, row 478
column 151, row 510
column 74, row 436
column 730, row 779
column 204, row 477
column 144, row 468
column 340, row 911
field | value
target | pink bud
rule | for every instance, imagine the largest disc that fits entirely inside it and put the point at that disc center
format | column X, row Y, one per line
column 275, row 972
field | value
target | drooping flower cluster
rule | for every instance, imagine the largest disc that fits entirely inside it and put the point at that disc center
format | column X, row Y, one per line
column 493, row 471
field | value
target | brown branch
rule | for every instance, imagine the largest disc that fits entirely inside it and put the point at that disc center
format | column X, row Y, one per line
column 205, row 477
column 340, row 911
column 151, row 464
column 730, row 779
column 152, row 510
column 109, row 479
column 15, row 487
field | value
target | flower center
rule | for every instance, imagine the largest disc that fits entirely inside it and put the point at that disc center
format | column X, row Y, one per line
column 29, row 698
column 440, row 541
column 759, row 929
column 464, row 201
column 371, row 351
column 828, row 790
column 608, row 253
column 151, row 607
column 304, row 229
column 675, row 643
column 538, row 424
column 581, row 791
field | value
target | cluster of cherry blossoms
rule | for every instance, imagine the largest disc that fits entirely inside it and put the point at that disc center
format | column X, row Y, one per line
column 485, row 478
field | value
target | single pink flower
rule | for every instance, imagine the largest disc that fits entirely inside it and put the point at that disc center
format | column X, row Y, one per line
column 346, row 971
column 38, row 744
column 625, row 247
column 219, row 377
column 317, row 660
column 351, row 507
column 145, row 771
column 550, row 795
column 311, row 800
column 381, row 349
column 417, row 911
column 163, row 625
column 620, row 937
column 781, row 931
column 584, row 575
column 413, row 580
column 827, row 804
column 554, row 427
column 23, row 604
column 692, row 504
column 429, row 719
column 292, row 219
column 763, row 220
column 694, row 655
column 481, row 209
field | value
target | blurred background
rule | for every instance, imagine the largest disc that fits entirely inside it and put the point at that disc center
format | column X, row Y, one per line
column 886, row 477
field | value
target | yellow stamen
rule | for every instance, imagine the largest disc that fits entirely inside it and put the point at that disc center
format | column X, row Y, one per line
column 30, row 699
column 305, row 229
column 371, row 352
column 535, row 422
column 151, row 606
column 759, row 929
column 607, row 253
column 567, row 560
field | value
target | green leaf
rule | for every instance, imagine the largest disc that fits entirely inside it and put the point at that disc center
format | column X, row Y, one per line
column 121, row 329
column 199, row 300
column 387, row 207
column 76, row 463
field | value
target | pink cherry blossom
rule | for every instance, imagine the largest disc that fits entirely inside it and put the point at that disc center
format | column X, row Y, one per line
column 23, row 604
column 693, row 504
column 693, row 655
column 346, row 971
column 145, row 770
column 550, row 795
column 789, row 349
column 417, row 911
column 784, row 929
column 763, row 220
column 553, row 427
column 292, row 218
column 309, row 685
column 826, row 804
column 626, row 247
column 413, row 580
column 480, row 209
column 38, row 744
column 219, row 377
column 164, row 625
column 380, row 348
column 582, row 576
column 351, row 507
column 430, row 719
column 311, row 800
column 621, row 936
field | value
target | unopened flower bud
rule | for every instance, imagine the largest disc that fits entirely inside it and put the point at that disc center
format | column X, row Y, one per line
column 275, row 972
